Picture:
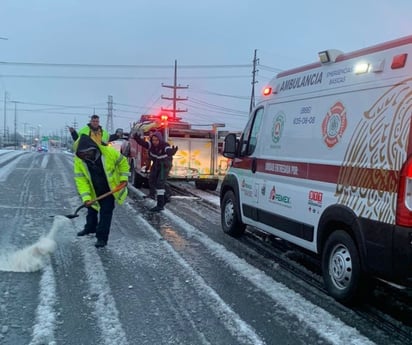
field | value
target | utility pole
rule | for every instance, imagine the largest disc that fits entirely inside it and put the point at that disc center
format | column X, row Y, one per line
column 24, row 134
column 109, row 124
column 5, row 97
column 254, row 81
column 74, row 124
column 175, row 99
column 15, row 125
column 5, row 109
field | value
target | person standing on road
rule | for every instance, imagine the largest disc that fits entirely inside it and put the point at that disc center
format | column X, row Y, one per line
column 119, row 134
column 98, row 169
column 93, row 130
column 160, row 153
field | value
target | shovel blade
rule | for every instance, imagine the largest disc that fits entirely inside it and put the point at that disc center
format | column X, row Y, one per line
column 71, row 216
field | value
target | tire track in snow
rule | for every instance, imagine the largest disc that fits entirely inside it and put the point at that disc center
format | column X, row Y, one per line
column 43, row 329
column 239, row 329
column 105, row 310
column 325, row 324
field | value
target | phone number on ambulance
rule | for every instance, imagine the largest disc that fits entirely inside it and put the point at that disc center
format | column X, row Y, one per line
column 304, row 120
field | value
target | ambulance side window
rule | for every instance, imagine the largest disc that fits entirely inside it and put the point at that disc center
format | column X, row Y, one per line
column 249, row 138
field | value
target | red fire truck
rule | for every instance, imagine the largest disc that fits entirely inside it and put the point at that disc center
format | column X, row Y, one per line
column 198, row 158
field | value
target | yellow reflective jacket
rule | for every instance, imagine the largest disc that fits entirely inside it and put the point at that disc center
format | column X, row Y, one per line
column 99, row 136
column 116, row 168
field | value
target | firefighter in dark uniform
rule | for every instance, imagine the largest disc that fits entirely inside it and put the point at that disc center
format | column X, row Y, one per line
column 160, row 153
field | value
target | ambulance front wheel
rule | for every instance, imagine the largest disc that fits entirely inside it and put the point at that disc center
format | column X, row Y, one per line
column 341, row 267
column 230, row 217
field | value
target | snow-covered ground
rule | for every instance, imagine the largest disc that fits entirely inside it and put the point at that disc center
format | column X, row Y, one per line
column 169, row 278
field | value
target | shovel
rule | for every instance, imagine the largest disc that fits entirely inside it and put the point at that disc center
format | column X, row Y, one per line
column 91, row 202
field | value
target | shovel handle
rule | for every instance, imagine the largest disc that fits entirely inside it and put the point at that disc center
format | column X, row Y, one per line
column 114, row 190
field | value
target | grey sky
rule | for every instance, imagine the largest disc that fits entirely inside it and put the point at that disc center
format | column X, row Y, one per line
column 206, row 33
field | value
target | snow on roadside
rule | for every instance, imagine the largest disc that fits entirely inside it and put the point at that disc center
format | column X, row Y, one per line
column 330, row 328
column 10, row 167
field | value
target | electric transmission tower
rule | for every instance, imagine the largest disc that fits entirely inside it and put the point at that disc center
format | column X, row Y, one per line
column 109, row 124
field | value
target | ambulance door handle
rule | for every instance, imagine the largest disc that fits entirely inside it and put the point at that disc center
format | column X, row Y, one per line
column 254, row 165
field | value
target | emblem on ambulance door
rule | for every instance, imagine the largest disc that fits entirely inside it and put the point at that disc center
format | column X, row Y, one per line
column 277, row 127
column 334, row 124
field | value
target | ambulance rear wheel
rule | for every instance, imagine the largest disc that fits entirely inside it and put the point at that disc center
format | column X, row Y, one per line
column 230, row 217
column 341, row 267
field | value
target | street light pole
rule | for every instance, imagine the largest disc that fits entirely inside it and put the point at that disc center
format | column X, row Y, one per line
column 5, row 103
column 15, row 125
column 5, row 96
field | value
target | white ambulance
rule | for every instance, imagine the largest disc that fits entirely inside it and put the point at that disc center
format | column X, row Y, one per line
column 325, row 162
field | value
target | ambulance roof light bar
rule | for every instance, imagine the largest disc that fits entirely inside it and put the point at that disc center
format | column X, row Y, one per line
column 329, row 56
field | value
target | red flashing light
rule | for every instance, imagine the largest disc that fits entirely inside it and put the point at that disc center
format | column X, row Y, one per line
column 267, row 91
column 403, row 213
column 399, row 61
column 164, row 117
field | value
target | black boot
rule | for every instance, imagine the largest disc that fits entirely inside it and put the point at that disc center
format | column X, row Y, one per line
column 160, row 204
column 151, row 196
column 85, row 232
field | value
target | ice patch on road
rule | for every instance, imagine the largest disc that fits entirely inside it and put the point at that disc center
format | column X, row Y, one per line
column 326, row 325
column 36, row 256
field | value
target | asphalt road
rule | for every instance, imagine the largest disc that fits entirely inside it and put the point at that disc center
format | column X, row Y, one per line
column 168, row 278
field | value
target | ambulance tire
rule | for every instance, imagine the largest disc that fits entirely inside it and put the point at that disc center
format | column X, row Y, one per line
column 341, row 268
column 230, row 217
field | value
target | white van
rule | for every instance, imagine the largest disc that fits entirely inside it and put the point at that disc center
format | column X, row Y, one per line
column 325, row 162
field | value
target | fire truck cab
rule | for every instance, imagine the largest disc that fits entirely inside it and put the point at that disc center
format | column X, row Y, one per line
column 197, row 158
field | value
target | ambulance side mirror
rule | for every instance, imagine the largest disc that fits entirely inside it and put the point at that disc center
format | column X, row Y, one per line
column 230, row 146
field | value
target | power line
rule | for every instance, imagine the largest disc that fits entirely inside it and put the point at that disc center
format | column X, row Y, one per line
column 270, row 69
column 27, row 76
column 217, row 94
column 61, row 105
column 74, row 65
column 210, row 105
column 238, row 113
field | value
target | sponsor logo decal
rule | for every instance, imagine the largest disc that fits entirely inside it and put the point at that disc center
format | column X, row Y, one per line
column 263, row 189
column 247, row 189
column 334, row 124
column 277, row 127
column 315, row 199
column 279, row 199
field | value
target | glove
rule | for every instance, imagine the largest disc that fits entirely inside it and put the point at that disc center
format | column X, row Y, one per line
column 137, row 133
column 88, row 203
column 172, row 150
